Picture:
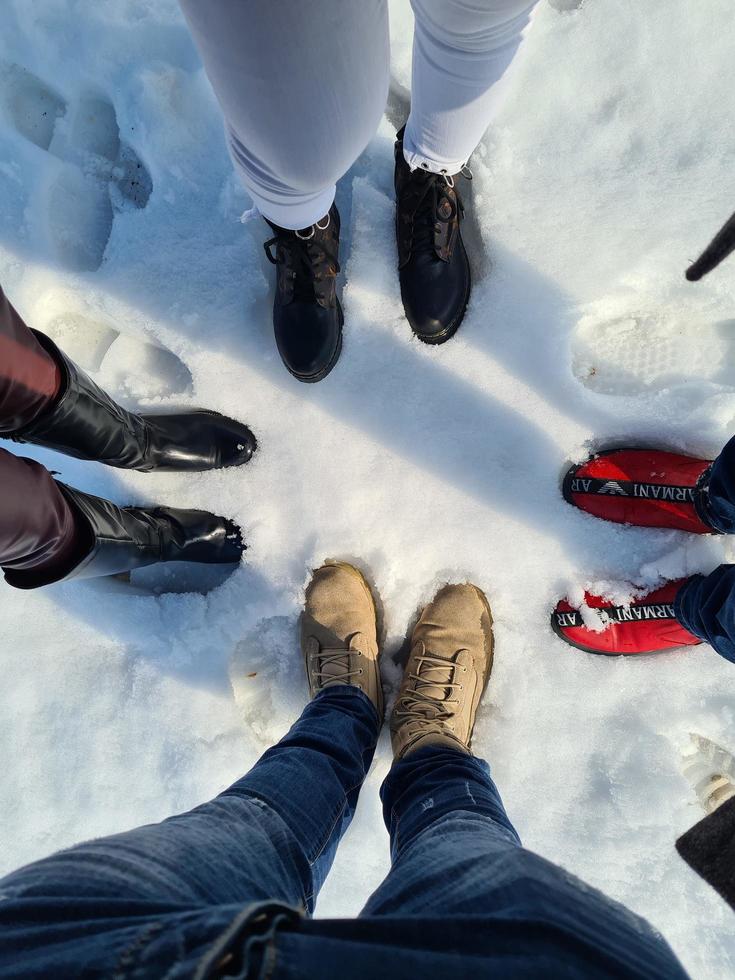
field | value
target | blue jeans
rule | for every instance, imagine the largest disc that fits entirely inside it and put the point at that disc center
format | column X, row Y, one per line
column 719, row 504
column 705, row 605
column 225, row 890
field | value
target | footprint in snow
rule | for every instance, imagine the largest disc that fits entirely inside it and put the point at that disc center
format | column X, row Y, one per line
column 645, row 352
column 126, row 366
column 102, row 175
column 258, row 668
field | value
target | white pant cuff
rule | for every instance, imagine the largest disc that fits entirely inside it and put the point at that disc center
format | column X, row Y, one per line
column 294, row 213
column 418, row 159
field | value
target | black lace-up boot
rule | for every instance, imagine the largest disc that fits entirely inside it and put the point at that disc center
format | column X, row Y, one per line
column 307, row 316
column 433, row 268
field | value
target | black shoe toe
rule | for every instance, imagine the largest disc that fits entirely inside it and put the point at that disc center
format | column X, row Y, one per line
column 196, row 441
column 236, row 442
column 435, row 295
column 309, row 339
column 198, row 536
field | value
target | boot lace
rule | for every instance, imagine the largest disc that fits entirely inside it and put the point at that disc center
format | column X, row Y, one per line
column 305, row 258
column 422, row 704
column 339, row 659
column 432, row 201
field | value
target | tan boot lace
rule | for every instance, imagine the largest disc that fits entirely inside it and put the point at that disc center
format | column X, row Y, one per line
column 431, row 699
column 333, row 666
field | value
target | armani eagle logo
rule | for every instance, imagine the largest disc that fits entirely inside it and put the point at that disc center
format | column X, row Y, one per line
column 612, row 486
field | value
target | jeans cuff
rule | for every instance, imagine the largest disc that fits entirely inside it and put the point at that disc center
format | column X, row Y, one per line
column 341, row 689
column 680, row 601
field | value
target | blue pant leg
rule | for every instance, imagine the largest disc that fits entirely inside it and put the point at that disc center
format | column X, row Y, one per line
column 312, row 777
column 424, row 796
column 718, row 504
column 705, row 605
column 169, row 890
column 456, row 855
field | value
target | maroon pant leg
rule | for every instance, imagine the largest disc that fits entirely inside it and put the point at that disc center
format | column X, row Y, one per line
column 29, row 377
column 39, row 532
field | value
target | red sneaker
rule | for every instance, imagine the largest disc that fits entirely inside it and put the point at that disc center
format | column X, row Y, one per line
column 645, row 487
column 647, row 625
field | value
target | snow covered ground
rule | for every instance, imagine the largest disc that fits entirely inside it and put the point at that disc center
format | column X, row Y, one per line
column 609, row 168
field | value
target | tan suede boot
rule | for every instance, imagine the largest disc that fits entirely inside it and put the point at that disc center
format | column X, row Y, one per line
column 446, row 674
column 339, row 632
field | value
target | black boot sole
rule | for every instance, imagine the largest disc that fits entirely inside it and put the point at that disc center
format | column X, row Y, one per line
column 311, row 379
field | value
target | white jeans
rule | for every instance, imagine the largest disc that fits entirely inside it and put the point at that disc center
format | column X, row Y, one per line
column 303, row 85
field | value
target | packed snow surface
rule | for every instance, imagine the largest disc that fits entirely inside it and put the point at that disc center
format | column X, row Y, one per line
column 608, row 169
